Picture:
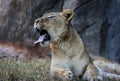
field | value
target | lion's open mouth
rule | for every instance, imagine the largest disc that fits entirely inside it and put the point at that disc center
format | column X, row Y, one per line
column 44, row 36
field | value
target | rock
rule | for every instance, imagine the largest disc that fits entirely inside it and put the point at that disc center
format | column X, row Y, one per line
column 112, row 36
column 113, row 41
column 97, row 22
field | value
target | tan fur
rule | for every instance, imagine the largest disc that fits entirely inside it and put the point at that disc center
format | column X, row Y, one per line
column 69, row 56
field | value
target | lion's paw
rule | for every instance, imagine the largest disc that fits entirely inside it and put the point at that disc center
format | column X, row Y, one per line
column 96, row 78
column 68, row 75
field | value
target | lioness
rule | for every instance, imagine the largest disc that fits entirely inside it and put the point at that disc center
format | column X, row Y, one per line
column 69, row 56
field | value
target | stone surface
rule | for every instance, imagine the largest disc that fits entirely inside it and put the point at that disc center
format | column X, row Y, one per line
column 97, row 22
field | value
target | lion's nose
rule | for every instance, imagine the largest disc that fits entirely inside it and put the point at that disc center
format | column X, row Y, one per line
column 37, row 21
column 38, row 24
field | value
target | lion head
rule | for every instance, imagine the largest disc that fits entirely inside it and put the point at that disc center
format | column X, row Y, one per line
column 52, row 26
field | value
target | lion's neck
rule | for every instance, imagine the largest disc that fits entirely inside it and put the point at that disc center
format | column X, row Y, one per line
column 68, row 46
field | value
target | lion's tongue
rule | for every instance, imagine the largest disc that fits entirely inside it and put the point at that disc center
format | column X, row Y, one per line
column 40, row 39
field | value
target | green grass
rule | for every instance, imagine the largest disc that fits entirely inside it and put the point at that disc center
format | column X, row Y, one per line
column 25, row 70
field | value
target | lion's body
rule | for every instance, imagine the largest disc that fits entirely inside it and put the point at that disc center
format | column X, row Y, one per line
column 69, row 56
column 66, row 56
column 106, row 67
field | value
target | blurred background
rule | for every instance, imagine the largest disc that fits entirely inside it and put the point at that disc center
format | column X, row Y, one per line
column 97, row 22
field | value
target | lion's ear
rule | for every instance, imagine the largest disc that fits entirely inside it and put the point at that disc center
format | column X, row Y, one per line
column 68, row 14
